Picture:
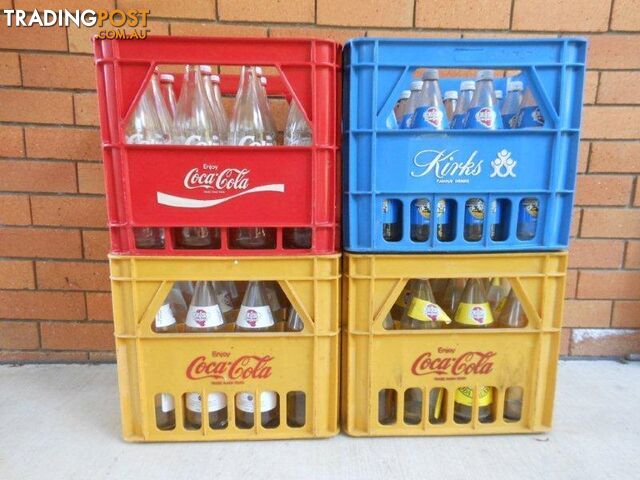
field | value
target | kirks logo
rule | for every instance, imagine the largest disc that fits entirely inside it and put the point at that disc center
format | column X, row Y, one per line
column 222, row 367
column 433, row 116
column 213, row 180
column 252, row 317
column 200, row 317
column 448, row 168
column 446, row 362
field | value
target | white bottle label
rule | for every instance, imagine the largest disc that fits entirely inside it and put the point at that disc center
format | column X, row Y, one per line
column 204, row 317
column 245, row 401
column 224, row 300
column 166, row 402
column 165, row 317
column 216, row 401
column 255, row 317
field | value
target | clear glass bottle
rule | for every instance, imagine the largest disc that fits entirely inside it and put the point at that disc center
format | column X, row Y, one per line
column 219, row 115
column 399, row 107
column 247, row 125
column 198, row 237
column 483, row 111
column 430, row 113
column 167, row 82
column 467, row 88
column 452, row 296
column 204, row 314
column 511, row 105
column 420, row 220
column 527, row 218
column 513, row 316
column 391, row 226
column 422, row 313
column 255, row 313
column 410, row 106
column 246, row 406
column 194, row 123
column 263, row 102
column 450, row 103
column 529, row 114
column 217, row 95
column 297, row 131
column 165, row 322
column 145, row 126
column 497, row 296
column 216, row 409
column 474, row 219
column 148, row 237
column 473, row 311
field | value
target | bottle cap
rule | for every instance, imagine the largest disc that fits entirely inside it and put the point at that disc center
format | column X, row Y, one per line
column 258, row 71
column 215, row 78
column 514, row 86
column 484, row 75
column 468, row 85
column 167, row 77
column 430, row 74
column 263, row 81
column 416, row 85
column 205, row 69
column 499, row 94
column 450, row 94
column 405, row 94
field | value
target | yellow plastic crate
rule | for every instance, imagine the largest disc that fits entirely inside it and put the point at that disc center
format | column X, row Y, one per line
column 374, row 359
column 151, row 363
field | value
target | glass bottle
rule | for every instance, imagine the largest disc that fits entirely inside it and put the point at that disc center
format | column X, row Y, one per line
column 529, row 114
column 399, row 107
column 167, row 87
column 473, row 312
column 420, row 220
column 467, row 88
column 511, row 105
column 430, row 113
column 247, row 124
column 255, row 313
column 422, row 313
column 216, row 108
column 165, row 322
column 410, row 106
column 483, row 111
column 450, row 103
column 194, row 122
column 513, row 316
column 297, row 131
column 204, row 314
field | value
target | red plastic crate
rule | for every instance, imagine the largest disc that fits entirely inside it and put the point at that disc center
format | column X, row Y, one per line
column 286, row 187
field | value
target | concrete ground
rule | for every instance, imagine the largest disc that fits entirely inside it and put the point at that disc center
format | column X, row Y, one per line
column 61, row 422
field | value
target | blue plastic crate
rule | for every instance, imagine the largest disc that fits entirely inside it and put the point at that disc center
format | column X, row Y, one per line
column 384, row 163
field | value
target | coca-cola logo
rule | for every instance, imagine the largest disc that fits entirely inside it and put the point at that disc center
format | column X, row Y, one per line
column 210, row 178
column 222, row 367
column 447, row 363
column 214, row 179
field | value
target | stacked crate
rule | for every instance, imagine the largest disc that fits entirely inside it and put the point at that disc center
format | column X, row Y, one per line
column 139, row 180
column 383, row 164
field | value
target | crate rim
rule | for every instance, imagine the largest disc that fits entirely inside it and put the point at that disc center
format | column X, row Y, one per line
column 359, row 40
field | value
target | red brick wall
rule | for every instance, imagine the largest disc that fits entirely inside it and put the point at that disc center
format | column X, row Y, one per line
column 54, row 300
